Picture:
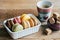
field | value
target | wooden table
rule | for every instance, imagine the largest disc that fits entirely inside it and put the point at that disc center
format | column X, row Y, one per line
column 12, row 8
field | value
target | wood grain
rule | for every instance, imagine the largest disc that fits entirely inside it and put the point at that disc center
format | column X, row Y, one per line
column 17, row 4
column 7, row 13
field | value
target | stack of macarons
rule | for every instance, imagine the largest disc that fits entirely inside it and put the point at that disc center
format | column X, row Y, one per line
column 21, row 23
column 28, row 21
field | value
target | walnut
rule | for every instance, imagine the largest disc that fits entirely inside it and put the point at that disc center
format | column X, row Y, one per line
column 51, row 20
column 58, row 18
column 48, row 31
column 58, row 22
column 55, row 15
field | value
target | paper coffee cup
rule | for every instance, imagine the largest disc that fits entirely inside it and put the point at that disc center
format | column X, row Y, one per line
column 44, row 10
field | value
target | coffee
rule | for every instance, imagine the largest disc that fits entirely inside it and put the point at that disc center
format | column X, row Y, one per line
column 45, row 6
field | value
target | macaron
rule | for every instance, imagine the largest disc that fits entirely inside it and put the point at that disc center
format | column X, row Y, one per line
column 25, row 24
column 17, row 27
column 9, row 23
column 35, row 21
column 31, row 21
column 28, row 23
column 25, row 17
column 17, row 20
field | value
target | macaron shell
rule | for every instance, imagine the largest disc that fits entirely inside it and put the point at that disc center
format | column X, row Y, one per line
column 35, row 21
column 19, row 20
column 13, row 27
column 28, row 23
column 31, row 22
column 21, row 17
column 15, row 20
column 11, row 22
column 25, row 17
column 8, row 24
column 24, row 24
column 17, row 27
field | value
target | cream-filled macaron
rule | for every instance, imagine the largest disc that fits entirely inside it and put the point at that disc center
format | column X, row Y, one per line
column 25, row 17
column 17, row 27
column 35, row 21
column 31, row 21
column 25, row 24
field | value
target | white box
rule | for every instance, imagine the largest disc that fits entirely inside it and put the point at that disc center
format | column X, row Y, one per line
column 24, row 32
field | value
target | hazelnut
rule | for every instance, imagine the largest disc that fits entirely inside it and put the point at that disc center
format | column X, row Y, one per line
column 51, row 20
column 48, row 31
column 55, row 15
column 58, row 22
column 58, row 18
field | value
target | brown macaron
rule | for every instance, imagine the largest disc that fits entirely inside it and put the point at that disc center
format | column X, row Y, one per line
column 9, row 23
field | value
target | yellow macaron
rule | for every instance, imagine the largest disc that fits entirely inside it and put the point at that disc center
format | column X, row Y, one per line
column 25, row 24
column 25, row 17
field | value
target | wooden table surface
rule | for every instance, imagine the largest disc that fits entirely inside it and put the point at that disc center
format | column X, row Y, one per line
column 12, row 8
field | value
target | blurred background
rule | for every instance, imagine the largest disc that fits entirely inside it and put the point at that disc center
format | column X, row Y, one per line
column 24, row 4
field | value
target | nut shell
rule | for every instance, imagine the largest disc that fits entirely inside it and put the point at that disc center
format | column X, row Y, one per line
column 51, row 20
column 58, row 18
column 48, row 31
column 55, row 15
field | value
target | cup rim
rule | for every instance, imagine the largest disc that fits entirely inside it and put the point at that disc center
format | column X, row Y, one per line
column 45, row 1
